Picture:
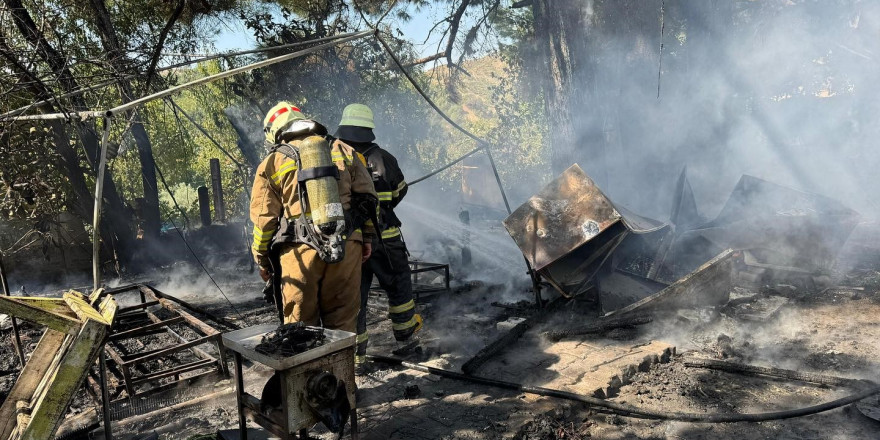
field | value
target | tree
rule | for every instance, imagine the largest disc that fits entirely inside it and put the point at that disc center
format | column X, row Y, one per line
column 78, row 45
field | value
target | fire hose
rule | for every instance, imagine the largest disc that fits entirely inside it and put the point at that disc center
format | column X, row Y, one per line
column 631, row 411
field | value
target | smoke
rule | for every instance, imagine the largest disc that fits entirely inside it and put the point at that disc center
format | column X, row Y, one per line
column 434, row 232
column 784, row 91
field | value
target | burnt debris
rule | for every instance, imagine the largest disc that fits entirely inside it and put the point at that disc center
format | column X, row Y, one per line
column 291, row 339
column 579, row 240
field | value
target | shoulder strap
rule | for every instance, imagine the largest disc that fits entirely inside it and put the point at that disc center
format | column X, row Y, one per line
column 287, row 150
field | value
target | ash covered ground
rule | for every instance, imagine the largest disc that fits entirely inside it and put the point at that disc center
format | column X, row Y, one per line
column 816, row 329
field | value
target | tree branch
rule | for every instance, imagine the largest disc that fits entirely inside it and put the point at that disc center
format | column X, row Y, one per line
column 161, row 43
column 29, row 30
column 453, row 29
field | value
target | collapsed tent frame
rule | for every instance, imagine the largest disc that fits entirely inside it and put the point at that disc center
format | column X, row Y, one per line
column 109, row 114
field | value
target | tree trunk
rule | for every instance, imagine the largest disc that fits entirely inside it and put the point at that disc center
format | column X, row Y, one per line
column 245, row 145
column 560, row 33
column 119, row 222
column 83, row 202
column 117, row 59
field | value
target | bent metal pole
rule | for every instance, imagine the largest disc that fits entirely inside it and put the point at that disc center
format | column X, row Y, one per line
column 20, row 110
column 208, row 79
column 237, row 70
column 99, row 197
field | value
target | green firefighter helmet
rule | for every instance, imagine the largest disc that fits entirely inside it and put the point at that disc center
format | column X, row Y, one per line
column 357, row 115
column 279, row 118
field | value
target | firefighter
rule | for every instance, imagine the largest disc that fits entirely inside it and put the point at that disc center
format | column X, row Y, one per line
column 389, row 261
column 310, row 289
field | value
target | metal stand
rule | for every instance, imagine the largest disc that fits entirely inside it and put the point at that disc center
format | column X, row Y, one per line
column 239, row 397
column 291, row 420
column 424, row 290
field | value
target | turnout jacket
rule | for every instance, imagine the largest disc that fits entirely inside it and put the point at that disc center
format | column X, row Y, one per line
column 389, row 182
column 274, row 194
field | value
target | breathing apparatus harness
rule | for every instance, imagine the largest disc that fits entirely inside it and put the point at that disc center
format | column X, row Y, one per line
column 328, row 238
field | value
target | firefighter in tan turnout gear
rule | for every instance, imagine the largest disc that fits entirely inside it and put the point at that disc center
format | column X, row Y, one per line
column 314, row 256
column 389, row 261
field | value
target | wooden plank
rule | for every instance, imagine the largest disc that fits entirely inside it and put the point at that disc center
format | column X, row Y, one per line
column 31, row 375
column 710, row 284
column 65, row 377
column 85, row 311
column 42, row 311
column 147, row 328
column 52, row 404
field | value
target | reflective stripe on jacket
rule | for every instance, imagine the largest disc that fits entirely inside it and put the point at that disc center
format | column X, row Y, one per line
column 389, row 182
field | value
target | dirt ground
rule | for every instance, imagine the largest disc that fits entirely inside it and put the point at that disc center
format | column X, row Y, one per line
column 834, row 331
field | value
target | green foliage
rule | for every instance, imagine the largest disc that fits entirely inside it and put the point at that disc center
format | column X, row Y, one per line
column 186, row 211
column 183, row 152
column 33, row 186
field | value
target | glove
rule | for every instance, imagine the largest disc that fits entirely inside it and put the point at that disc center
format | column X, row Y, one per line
column 269, row 292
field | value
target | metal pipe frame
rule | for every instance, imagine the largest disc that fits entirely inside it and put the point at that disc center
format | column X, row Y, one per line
column 417, row 267
column 149, row 323
column 20, row 110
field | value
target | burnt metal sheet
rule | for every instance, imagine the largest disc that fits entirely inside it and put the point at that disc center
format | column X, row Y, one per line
column 709, row 285
column 684, row 214
column 636, row 223
column 573, row 272
column 789, row 227
column 568, row 212
column 870, row 407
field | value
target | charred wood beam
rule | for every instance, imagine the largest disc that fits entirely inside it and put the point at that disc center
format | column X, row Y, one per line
column 136, row 307
column 500, row 344
column 199, row 352
column 752, row 370
column 195, row 309
column 123, row 288
column 171, row 350
column 192, row 320
column 599, row 327
column 185, row 368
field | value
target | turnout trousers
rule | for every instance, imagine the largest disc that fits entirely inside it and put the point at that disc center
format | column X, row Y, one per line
column 390, row 265
column 318, row 293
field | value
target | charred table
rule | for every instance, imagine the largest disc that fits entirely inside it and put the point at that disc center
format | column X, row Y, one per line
column 304, row 379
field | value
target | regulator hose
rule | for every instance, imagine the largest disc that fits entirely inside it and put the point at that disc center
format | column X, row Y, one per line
column 631, row 411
